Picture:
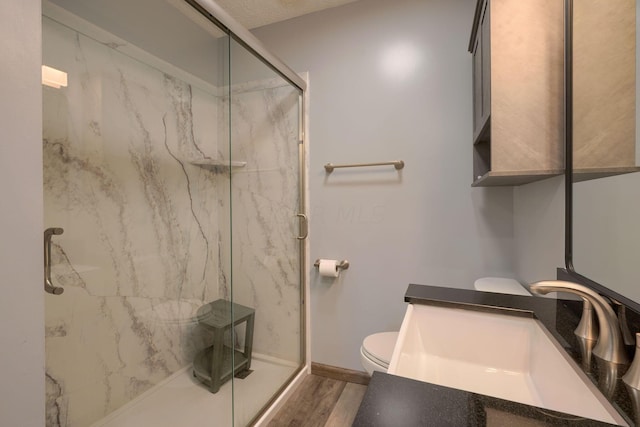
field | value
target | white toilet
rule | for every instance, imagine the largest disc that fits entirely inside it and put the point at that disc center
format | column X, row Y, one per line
column 376, row 349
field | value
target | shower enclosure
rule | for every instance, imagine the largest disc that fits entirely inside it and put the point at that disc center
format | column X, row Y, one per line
column 174, row 179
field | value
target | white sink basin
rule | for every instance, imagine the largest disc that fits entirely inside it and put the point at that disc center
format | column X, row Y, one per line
column 509, row 357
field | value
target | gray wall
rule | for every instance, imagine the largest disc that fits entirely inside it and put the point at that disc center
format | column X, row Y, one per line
column 606, row 233
column 539, row 229
column 22, row 301
column 391, row 80
column 606, row 212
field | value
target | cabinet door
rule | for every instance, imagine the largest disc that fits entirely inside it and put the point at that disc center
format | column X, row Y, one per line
column 477, row 85
column 485, row 40
column 481, row 73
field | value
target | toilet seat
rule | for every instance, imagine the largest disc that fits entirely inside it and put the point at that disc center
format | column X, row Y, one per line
column 378, row 348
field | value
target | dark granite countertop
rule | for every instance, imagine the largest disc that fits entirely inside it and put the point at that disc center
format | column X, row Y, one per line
column 396, row 401
column 392, row 401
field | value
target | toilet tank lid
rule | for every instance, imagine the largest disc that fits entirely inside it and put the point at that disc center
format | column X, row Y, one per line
column 501, row 285
column 381, row 345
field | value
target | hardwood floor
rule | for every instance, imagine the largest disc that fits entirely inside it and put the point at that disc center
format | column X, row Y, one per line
column 321, row 402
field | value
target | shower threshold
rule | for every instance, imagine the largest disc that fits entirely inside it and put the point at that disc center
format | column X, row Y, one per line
column 183, row 400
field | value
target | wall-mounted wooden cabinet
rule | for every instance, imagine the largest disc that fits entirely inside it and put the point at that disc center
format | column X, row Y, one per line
column 604, row 88
column 482, row 75
column 518, row 74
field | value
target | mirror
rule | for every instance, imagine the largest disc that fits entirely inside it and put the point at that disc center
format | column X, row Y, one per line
column 606, row 154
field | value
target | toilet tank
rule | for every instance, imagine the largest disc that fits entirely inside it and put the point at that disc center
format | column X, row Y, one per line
column 500, row 285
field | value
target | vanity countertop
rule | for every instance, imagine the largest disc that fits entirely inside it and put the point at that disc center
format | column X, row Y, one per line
column 396, row 401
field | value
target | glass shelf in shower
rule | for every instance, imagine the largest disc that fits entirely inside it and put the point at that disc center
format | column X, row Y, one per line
column 218, row 165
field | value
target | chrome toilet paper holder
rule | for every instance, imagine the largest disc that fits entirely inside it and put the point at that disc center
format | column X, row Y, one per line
column 342, row 265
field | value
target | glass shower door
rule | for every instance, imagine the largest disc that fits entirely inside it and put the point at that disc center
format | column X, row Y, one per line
column 265, row 195
column 133, row 172
column 172, row 179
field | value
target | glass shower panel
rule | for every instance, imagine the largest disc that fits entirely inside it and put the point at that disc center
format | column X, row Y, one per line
column 134, row 150
column 265, row 256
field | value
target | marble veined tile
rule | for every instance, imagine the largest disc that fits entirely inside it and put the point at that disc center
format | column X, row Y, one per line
column 139, row 251
column 264, row 196
column 147, row 233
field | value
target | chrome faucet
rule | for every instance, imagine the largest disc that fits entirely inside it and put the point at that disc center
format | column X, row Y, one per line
column 610, row 346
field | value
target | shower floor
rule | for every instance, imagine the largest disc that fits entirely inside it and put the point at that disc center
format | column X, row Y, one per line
column 183, row 401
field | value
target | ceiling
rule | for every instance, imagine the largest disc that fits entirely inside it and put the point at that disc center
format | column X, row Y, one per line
column 256, row 13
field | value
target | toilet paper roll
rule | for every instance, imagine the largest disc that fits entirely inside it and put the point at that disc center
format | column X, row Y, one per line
column 329, row 268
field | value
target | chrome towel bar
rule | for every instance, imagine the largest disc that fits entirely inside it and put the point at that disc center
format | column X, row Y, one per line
column 398, row 164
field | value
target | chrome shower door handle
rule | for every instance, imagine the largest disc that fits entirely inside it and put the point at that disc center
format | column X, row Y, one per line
column 48, row 284
column 306, row 227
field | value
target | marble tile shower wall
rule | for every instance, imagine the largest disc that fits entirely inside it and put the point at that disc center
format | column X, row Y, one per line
column 140, row 250
column 264, row 197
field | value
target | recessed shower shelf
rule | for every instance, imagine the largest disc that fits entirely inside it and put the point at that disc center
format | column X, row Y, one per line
column 216, row 164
